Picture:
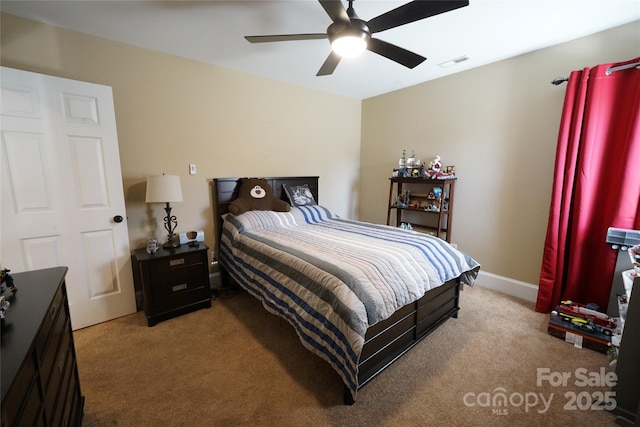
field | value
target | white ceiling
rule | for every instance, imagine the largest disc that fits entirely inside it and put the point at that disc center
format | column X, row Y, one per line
column 213, row 32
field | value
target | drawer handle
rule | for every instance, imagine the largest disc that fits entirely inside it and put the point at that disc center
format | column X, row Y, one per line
column 176, row 262
column 180, row 287
column 52, row 312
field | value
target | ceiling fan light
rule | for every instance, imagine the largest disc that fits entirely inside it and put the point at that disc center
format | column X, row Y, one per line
column 349, row 46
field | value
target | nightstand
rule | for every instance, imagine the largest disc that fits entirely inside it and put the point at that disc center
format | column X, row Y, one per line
column 174, row 281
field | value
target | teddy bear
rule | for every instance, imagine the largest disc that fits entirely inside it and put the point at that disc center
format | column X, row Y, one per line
column 255, row 194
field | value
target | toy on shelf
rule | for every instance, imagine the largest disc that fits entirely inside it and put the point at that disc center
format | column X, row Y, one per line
column 411, row 167
column 434, row 200
column 411, row 161
column 436, row 171
column 435, row 165
column 403, row 200
column 402, row 163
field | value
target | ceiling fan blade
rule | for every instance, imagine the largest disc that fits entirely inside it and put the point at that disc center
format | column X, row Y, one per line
column 411, row 12
column 395, row 53
column 285, row 37
column 335, row 10
column 329, row 65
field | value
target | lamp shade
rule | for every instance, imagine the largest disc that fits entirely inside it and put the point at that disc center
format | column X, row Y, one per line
column 163, row 189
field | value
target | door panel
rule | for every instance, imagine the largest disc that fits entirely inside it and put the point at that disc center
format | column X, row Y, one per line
column 88, row 165
column 99, row 247
column 29, row 190
column 42, row 252
column 61, row 188
column 80, row 109
column 19, row 101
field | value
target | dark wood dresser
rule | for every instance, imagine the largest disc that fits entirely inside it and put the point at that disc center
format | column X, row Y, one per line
column 174, row 281
column 40, row 383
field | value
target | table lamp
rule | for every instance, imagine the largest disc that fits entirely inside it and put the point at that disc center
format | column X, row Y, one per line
column 166, row 189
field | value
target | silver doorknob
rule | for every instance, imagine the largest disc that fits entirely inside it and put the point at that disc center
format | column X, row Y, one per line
column 118, row 218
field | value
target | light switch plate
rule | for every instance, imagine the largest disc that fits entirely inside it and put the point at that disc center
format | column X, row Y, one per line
column 192, row 169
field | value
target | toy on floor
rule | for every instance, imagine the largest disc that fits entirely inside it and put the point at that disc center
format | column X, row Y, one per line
column 587, row 317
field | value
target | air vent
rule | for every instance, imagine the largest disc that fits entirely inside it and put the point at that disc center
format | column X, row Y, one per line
column 453, row 61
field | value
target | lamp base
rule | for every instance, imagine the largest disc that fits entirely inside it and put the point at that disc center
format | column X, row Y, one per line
column 171, row 244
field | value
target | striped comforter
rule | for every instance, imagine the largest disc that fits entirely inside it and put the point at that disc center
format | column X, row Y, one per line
column 332, row 278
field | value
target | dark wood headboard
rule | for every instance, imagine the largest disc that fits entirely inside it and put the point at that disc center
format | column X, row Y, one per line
column 225, row 191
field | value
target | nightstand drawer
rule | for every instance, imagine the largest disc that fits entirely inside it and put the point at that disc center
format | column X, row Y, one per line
column 174, row 263
column 182, row 298
column 162, row 278
column 176, row 285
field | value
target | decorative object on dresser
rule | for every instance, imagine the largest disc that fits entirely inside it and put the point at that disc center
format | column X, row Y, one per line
column 6, row 282
column 166, row 189
column 40, row 382
column 416, row 199
column 174, row 281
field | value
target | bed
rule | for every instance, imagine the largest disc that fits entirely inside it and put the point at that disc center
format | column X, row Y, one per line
column 293, row 263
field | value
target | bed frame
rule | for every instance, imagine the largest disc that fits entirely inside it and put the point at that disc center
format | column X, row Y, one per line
column 386, row 341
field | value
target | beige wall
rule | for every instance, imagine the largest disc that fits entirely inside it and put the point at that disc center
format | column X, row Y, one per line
column 498, row 125
column 172, row 112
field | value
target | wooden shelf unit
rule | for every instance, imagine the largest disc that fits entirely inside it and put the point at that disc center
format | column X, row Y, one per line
column 440, row 225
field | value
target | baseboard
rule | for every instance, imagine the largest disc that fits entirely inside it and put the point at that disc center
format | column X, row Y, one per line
column 506, row 285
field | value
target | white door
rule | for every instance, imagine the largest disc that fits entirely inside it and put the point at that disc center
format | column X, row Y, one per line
column 62, row 197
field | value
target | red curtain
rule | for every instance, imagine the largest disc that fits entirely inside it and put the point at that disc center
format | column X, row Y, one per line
column 596, row 184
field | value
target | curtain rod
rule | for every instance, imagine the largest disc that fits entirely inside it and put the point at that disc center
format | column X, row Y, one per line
column 608, row 72
column 559, row 80
column 622, row 67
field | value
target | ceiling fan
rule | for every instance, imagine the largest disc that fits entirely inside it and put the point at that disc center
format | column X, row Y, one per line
column 349, row 35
